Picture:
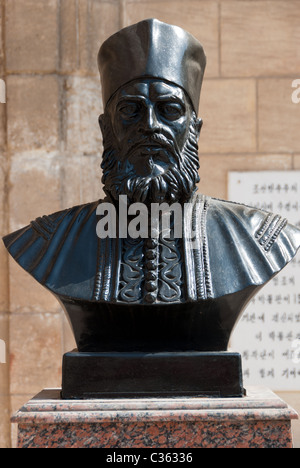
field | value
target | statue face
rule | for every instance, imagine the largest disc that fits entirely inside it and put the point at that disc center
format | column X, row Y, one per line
column 150, row 137
column 148, row 118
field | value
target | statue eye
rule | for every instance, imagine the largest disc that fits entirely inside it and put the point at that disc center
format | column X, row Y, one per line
column 171, row 111
column 129, row 110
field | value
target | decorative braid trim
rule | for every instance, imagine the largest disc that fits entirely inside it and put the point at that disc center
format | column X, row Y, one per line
column 270, row 230
column 201, row 254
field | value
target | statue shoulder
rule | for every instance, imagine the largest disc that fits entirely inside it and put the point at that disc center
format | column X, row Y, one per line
column 43, row 227
column 28, row 245
column 46, row 226
column 267, row 229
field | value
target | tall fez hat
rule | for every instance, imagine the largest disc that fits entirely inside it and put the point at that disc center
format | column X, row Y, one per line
column 152, row 49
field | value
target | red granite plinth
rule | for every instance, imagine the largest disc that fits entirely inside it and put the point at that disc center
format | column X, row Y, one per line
column 258, row 420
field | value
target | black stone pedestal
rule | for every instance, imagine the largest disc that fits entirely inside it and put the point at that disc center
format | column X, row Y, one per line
column 140, row 375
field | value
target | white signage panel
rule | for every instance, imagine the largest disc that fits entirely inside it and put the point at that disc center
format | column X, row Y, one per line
column 268, row 334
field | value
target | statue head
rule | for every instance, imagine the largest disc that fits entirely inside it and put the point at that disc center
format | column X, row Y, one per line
column 151, row 80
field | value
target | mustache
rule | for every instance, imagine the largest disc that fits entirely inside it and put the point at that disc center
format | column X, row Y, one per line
column 156, row 139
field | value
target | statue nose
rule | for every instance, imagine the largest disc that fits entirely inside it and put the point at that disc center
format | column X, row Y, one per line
column 150, row 121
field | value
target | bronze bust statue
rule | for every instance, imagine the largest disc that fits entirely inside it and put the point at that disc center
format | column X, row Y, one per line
column 152, row 293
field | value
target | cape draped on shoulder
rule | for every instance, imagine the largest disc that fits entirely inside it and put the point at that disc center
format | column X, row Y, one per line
column 239, row 247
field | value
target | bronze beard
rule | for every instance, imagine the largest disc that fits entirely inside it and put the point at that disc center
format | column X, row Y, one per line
column 176, row 184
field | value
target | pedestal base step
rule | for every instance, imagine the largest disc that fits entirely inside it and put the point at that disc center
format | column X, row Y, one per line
column 258, row 420
column 133, row 375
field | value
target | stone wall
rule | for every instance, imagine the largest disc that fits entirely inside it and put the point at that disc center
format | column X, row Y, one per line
column 51, row 145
